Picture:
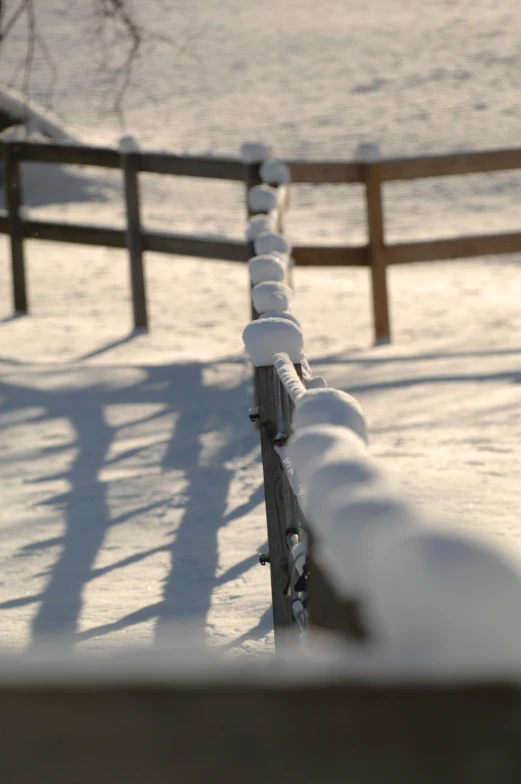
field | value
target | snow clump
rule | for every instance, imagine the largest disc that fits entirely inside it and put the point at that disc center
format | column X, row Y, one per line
column 128, row 144
column 275, row 173
column 444, row 601
column 266, row 268
column 260, row 224
column 266, row 337
column 263, row 198
column 271, row 296
column 281, row 314
column 255, row 152
column 306, row 448
column 272, row 243
column 330, row 407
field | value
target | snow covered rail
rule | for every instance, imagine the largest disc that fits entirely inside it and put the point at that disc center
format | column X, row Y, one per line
column 349, row 554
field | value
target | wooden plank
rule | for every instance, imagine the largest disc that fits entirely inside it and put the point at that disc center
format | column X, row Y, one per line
column 377, row 262
column 319, row 173
column 330, row 256
column 78, row 154
column 191, row 166
column 274, row 494
column 203, row 248
column 75, row 233
column 13, row 187
column 157, row 163
column 130, row 164
column 139, row 732
column 456, row 248
column 448, row 165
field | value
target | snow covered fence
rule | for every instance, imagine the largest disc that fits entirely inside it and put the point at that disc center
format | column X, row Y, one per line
column 267, row 200
column 349, row 554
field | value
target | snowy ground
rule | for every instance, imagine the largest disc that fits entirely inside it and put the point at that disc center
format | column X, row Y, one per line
column 129, row 471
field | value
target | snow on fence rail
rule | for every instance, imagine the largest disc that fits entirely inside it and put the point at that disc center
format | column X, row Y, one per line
column 377, row 255
column 347, row 552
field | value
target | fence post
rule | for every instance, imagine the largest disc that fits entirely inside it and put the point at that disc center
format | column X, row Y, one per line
column 275, row 493
column 375, row 223
column 13, row 192
column 130, row 166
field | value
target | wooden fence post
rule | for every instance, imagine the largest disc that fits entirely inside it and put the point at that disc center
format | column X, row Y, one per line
column 13, row 192
column 375, row 223
column 130, row 166
column 276, row 493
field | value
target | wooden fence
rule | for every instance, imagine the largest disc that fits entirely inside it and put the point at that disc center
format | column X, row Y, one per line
column 377, row 254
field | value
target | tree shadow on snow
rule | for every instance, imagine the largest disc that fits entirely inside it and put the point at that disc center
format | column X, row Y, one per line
column 192, row 547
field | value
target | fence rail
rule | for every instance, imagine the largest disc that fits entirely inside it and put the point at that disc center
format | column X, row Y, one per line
column 377, row 254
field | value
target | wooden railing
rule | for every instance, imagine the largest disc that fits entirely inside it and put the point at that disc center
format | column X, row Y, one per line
column 377, row 255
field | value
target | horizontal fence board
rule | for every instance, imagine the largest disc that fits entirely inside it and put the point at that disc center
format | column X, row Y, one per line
column 66, row 154
column 457, row 248
column 81, row 235
column 447, row 165
column 191, row 733
column 224, row 250
column 330, row 256
column 312, row 173
column 156, row 163
column 187, row 166
column 176, row 244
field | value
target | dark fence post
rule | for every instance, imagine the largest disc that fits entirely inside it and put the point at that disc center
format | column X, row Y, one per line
column 276, row 497
column 130, row 166
column 13, row 192
column 375, row 224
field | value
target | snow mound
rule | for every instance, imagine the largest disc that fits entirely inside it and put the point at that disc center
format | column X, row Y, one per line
column 352, row 534
column 315, row 382
column 306, row 448
column 272, row 243
column 367, row 152
column 255, row 152
column 37, row 121
column 441, row 599
column 286, row 372
column 128, row 144
column 275, row 173
column 266, row 337
column 271, row 296
column 260, row 224
column 330, row 407
column 282, row 314
column 266, row 268
column 263, row 198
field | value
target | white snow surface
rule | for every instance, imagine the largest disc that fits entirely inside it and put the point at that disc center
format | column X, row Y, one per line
column 266, row 268
column 263, row 198
column 283, row 315
column 330, row 407
column 267, row 242
column 129, row 471
column 265, row 338
column 36, row 120
column 270, row 296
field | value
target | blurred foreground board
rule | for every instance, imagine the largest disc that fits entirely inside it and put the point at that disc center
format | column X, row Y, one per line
column 252, row 726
